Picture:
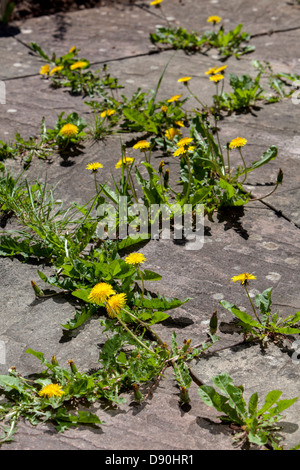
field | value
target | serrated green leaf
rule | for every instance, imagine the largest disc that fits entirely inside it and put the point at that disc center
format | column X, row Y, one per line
column 11, row 382
column 150, row 276
column 82, row 294
column 211, row 397
column 161, row 303
column 284, row 404
column 79, row 318
column 39, row 51
column 129, row 241
column 225, row 384
column 252, row 405
column 270, row 400
column 259, row 438
column 263, row 301
column 269, row 155
column 152, row 318
column 244, row 317
column 37, row 354
column 227, row 187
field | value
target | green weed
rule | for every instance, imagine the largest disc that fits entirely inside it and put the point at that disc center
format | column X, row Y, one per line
column 251, row 424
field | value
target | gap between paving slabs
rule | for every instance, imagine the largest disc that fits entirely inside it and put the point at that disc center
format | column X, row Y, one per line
column 269, row 260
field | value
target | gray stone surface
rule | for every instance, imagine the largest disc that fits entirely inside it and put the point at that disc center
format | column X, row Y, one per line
column 256, row 240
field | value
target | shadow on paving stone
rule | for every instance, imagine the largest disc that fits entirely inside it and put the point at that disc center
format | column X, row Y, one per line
column 8, row 31
column 231, row 219
column 212, row 427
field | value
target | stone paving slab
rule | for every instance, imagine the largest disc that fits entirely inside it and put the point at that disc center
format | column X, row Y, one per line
column 257, row 17
column 224, row 254
column 252, row 240
column 17, row 60
column 113, row 32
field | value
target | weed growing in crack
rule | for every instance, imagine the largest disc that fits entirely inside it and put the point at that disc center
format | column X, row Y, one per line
column 266, row 325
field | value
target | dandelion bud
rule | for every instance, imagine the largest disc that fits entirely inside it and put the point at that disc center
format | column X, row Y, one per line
column 280, row 176
column 184, row 395
column 213, row 324
column 54, row 361
column 72, row 366
column 161, row 165
column 187, row 343
column 137, row 393
column 38, row 292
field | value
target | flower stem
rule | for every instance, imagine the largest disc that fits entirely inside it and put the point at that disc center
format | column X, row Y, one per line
column 254, row 310
column 190, row 179
column 143, row 287
column 267, row 195
column 228, row 164
column 245, row 166
column 165, row 18
column 130, row 332
column 95, row 179
column 220, row 147
column 131, row 184
column 194, row 96
column 144, row 325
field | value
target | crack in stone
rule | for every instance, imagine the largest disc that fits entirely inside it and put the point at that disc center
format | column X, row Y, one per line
column 274, row 31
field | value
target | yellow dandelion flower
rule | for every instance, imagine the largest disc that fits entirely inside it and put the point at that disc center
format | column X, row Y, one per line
column 184, row 79
column 171, row 133
column 73, row 49
column 80, row 64
column 135, row 258
column 115, row 304
column 237, row 142
column 45, row 69
column 215, row 70
column 155, row 2
column 184, row 141
column 56, row 69
column 107, row 112
column 94, row 166
column 142, row 144
column 51, row 390
column 180, row 151
column 179, row 123
column 125, row 161
column 211, row 71
column 69, row 130
column 164, row 109
column 174, row 98
column 214, row 19
column 221, row 69
column 100, row 292
column 216, row 78
column 243, row 278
